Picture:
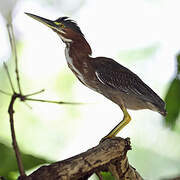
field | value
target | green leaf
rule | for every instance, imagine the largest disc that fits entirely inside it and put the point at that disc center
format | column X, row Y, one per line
column 178, row 64
column 8, row 164
column 173, row 103
column 107, row 176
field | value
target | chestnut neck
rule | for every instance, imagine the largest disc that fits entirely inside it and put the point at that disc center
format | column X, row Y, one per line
column 79, row 48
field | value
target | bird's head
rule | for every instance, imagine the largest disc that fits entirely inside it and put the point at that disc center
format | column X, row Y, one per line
column 66, row 28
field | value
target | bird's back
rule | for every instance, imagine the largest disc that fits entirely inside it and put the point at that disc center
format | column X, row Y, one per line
column 119, row 78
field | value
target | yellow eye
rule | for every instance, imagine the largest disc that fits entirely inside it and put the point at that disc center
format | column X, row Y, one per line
column 62, row 26
column 59, row 24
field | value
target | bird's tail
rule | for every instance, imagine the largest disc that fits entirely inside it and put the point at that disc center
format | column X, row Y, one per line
column 164, row 112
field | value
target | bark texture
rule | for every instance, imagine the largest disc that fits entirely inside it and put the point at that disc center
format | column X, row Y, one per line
column 109, row 155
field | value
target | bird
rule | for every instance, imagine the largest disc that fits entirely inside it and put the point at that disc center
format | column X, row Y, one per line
column 103, row 75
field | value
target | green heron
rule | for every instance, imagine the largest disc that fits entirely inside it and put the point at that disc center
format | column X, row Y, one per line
column 102, row 74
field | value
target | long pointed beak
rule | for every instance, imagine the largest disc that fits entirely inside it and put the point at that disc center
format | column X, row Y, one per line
column 47, row 22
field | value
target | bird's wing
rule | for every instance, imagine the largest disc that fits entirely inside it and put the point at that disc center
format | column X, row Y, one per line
column 116, row 76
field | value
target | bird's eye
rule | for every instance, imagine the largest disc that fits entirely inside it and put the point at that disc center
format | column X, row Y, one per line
column 62, row 26
column 59, row 24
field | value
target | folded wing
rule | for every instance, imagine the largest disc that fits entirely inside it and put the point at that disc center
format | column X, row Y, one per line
column 116, row 76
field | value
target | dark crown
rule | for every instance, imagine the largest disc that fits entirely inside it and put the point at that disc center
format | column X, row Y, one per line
column 70, row 24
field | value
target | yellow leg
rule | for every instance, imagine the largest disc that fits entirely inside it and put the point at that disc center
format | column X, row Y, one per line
column 121, row 125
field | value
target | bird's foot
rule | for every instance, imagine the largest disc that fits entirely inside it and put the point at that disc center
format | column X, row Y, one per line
column 106, row 137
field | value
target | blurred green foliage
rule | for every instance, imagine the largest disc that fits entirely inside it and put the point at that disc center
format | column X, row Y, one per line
column 173, row 99
column 138, row 54
column 8, row 165
column 107, row 176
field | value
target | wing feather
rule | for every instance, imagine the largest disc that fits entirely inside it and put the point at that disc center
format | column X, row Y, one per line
column 116, row 76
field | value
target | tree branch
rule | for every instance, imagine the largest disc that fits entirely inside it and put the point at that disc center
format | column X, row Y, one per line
column 9, row 77
column 109, row 155
column 13, row 135
column 53, row 102
column 13, row 47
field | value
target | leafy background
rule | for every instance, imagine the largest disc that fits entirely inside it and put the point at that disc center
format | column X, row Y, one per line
column 141, row 34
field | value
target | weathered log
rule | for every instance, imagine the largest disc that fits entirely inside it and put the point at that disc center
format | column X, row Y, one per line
column 109, row 155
